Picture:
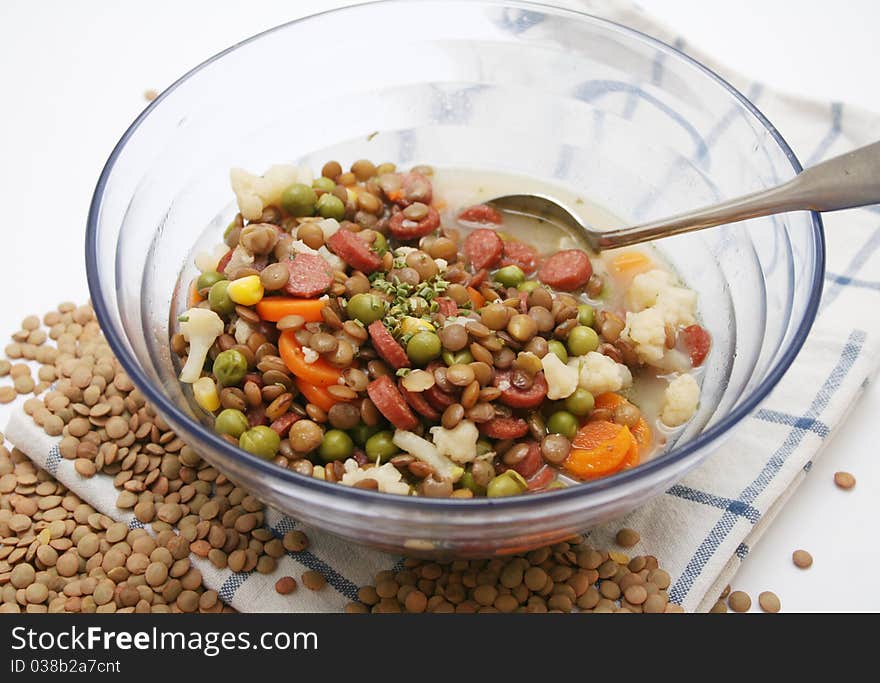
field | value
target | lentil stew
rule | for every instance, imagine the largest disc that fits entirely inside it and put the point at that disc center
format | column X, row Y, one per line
column 366, row 327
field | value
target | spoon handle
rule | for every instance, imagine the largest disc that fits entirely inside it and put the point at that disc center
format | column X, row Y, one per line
column 844, row 182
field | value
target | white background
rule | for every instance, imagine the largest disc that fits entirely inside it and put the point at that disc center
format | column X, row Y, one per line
column 72, row 76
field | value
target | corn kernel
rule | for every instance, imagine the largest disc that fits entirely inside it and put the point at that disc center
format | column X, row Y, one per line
column 246, row 290
column 411, row 325
column 318, row 472
column 205, row 393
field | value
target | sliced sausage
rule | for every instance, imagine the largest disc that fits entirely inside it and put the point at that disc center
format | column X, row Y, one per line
column 418, row 403
column 541, row 479
column 478, row 278
column 566, row 270
column 389, row 401
column 520, row 254
column 403, row 228
column 351, row 248
column 387, row 346
column 446, row 306
column 415, row 187
column 438, row 398
column 532, row 462
column 481, row 213
column 504, row 428
column 310, row 276
column 483, row 248
column 283, row 424
column 698, row 342
column 520, row 398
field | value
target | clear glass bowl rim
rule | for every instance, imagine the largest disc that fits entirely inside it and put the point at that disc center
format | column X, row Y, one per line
column 452, row 505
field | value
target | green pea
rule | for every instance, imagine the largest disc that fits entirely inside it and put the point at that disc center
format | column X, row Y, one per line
column 262, row 441
column 380, row 244
column 330, row 206
column 229, row 228
column 336, row 445
column 528, row 286
column 581, row 340
column 366, row 307
column 218, row 298
column 361, row 432
column 580, row 403
column 556, row 484
column 423, row 347
column 462, row 357
column 557, row 347
column 510, row 483
column 562, row 422
column 586, row 315
column 467, row 481
column 230, row 367
column 381, row 446
column 299, row 200
column 232, row 422
column 323, row 184
column 509, row 276
column 208, row 279
column 484, row 446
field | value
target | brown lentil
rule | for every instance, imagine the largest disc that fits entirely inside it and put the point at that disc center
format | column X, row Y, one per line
column 739, row 601
column 844, row 480
column 769, row 602
column 802, row 559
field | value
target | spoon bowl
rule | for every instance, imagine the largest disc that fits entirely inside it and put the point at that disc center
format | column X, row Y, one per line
column 844, row 182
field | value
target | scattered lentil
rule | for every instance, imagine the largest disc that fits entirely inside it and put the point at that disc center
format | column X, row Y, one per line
column 802, row 559
column 844, row 480
column 313, row 580
column 769, row 602
column 627, row 538
column 739, row 601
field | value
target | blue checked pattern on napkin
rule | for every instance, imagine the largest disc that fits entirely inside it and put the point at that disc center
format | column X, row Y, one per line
column 704, row 526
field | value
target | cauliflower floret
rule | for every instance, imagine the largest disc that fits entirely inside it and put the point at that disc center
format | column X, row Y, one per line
column 387, row 476
column 659, row 289
column 336, row 263
column 459, row 444
column 207, row 261
column 253, row 193
column 200, row 327
column 243, row 330
column 240, row 258
column 646, row 288
column 562, row 379
column 647, row 331
column 680, row 400
column 599, row 374
column 678, row 305
column 244, row 185
column 300, row 247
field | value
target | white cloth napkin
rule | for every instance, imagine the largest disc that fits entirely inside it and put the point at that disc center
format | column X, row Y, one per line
column 703, row 527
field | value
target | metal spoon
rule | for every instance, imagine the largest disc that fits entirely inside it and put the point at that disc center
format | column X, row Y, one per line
column 844, row 182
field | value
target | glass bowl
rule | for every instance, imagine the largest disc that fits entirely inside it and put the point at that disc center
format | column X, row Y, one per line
column 637, row 126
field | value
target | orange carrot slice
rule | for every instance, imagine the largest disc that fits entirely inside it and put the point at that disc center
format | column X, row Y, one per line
column 274, row 308
column 194, row 296
column 599, row 449
column 642, row 434
column 633, row 456
column 608, row 401
column 319, row 396
column 631, row 263
column 477, row 299
column 319, row 373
